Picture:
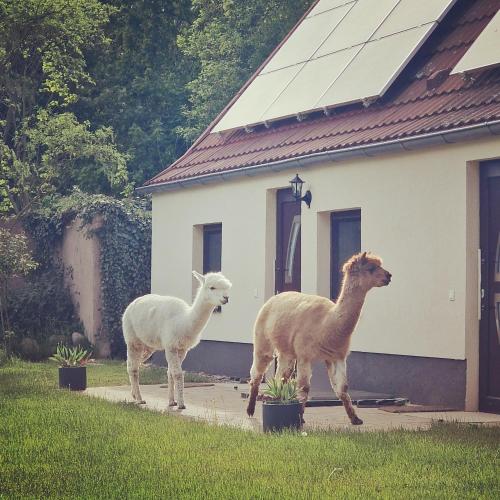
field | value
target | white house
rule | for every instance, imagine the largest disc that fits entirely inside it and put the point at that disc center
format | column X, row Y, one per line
column 390, row 113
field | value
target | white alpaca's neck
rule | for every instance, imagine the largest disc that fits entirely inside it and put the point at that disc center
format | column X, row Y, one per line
column 199, row 312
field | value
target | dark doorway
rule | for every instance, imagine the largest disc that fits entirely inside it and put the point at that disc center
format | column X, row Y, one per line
column 287, row 277
column 489, row 355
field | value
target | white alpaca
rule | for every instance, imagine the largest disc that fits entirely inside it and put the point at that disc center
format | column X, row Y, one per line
column 155, row 322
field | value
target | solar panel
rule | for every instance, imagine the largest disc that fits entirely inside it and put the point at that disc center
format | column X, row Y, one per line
column 358, row 26
column 408, row 14
column 316, row 74
column 305, row 40
column 256, row 98
column 485, row 51
column 372, row 70
column 325, row 5
column 342, row 52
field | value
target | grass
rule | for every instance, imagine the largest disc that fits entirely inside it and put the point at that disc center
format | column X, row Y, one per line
column 115, row 373
column 57, row 444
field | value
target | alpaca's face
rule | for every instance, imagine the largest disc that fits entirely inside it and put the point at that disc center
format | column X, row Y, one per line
column 374, row 275
column 215, row 288
column 367, row 270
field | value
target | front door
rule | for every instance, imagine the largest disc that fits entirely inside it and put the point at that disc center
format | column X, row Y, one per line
column 287, row 276
column 489, row 358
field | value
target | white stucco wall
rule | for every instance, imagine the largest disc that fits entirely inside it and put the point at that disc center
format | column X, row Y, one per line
column 419, row 211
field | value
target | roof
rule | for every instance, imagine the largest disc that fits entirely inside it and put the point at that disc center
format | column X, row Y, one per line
column 424, row 100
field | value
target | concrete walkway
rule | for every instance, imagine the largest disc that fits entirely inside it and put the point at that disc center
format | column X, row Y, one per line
column 222, row 404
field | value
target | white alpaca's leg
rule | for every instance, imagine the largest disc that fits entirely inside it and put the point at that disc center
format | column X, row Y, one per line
column 134, row 356
column 175, row 368
column 171, row 386
column 171, row 380
column 146, row 354
column 285, row 367
column 337, row 372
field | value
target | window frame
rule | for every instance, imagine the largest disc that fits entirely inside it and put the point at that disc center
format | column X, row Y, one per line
column 336, row 218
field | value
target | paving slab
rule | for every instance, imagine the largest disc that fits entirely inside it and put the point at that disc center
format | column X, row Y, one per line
column 222, row 404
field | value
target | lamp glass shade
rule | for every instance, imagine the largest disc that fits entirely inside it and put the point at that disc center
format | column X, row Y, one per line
column 296, row 184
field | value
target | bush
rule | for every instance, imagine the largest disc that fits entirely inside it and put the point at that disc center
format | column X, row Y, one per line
column 40, row 309
column 30, row 349
column 4, row 359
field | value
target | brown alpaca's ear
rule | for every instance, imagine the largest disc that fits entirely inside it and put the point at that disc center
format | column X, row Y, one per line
column 363, row 259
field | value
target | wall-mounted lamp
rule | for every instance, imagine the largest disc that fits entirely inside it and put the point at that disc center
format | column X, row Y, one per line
column 297, row 184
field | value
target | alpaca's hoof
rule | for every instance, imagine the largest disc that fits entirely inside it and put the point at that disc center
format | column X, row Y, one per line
column 181, row 407
column 356, row 421
column 173, row 403
column 140, row 401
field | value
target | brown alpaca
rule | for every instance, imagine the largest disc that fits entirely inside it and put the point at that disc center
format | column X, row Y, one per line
column 306, row 328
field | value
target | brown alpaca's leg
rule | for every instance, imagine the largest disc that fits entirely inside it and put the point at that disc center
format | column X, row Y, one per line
column 259, row 366
column 304, row 372
column 338, row 378
column 285, row 367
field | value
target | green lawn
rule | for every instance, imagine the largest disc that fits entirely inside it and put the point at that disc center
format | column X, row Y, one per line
column 58, row 444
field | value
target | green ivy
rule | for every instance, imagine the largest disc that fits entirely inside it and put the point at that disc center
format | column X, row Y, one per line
column 125, row 243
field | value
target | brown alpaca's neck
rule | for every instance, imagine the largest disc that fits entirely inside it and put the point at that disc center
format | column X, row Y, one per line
column 351, row 299
column 343, row 317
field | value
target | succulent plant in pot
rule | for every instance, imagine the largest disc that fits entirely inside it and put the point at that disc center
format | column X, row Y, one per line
column 73, row 363
column 281, row 408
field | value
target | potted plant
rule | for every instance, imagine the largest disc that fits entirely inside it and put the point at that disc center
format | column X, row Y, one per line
column 72, row 366
column 281, row 408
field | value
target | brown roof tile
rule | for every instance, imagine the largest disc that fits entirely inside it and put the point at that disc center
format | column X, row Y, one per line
column 424, row 98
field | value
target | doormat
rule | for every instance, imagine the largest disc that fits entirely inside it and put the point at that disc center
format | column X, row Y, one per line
column 187, row 385
column 416, row 408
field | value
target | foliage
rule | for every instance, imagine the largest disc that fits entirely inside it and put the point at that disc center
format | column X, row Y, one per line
column 123, row 228
column 69, row 357
column 40, row 308
column 4, row 358
column 140, row 81
column 15, row 257
column 281, row 391
column 15, row 260
column 43, row 147
column 45, row 431
column 228, row 41
column 59, row 153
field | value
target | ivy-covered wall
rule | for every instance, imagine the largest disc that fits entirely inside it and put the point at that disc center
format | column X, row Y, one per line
column 42, row 308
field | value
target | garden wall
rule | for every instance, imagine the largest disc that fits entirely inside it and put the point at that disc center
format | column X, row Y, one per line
column 81, row 259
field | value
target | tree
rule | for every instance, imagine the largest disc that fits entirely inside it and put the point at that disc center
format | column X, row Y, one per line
column 140, row 82
column 15, row 260
column 42, row 71
column 228, row 40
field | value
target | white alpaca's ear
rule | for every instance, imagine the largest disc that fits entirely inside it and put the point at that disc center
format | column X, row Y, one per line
column 199, row 277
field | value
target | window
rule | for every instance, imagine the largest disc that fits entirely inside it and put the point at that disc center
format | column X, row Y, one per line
column 345, row 242
column 212, row 248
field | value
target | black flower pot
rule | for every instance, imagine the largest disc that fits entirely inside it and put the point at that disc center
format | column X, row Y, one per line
column 279, row 416
column 74, row 379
